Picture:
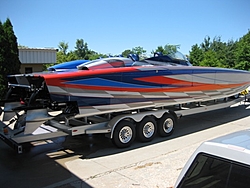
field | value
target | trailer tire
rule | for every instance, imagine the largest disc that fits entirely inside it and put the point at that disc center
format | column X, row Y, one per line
column 124, row 134
column 146, row 129
column 166, row 125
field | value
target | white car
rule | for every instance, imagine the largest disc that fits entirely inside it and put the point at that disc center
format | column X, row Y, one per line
column 221, row 162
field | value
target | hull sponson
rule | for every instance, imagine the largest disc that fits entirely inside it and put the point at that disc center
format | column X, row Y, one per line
column 124, row 88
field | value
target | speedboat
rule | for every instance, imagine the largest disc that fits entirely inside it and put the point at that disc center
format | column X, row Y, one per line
column 118, row 84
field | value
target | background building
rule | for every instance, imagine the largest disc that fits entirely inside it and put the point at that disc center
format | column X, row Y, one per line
column 33, row 59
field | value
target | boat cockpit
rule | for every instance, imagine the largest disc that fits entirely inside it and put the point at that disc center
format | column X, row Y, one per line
column 173, row 59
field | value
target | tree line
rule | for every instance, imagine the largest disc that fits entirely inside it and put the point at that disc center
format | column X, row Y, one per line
column 211, row 52
column 83, row 52
column 216, row 53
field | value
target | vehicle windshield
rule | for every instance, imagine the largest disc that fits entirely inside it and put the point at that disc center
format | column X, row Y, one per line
column 173, row 59
column 178, row 55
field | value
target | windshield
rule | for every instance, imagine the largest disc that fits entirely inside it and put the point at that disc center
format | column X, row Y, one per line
column 173, row 59
column 178, row 55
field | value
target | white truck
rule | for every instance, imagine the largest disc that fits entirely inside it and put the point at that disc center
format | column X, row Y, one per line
column 221, row 162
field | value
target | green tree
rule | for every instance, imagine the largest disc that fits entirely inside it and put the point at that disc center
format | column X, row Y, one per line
column 81, row 49
column 94, row 55
column 215, row 53
column 242, row 52
column 136, row 50
column 9, row 60
column 196, row 55
column 205, row 46
column 61, row 57
column 139, row 51
column 13, row 63
column 167, row 49
column 158, row 49
column 125, row 53
column 3, row 59
column 229, row 53
column 71, row 56
column 210, row 59
column 63, row 47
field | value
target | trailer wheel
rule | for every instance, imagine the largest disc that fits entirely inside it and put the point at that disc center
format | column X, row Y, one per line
column 124, row 134
column 166, row 125
column 146, row 129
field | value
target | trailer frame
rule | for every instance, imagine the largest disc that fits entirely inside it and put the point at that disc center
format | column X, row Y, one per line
column 41, row 125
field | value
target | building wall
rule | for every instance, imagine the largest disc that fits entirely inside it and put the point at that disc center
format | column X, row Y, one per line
column 34, row 58
column 33, row 67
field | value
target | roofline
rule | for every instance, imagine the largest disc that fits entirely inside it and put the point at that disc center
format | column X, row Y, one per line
column 37, row 49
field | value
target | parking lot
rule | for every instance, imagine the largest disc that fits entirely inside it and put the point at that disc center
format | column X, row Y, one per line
column 93, row 161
